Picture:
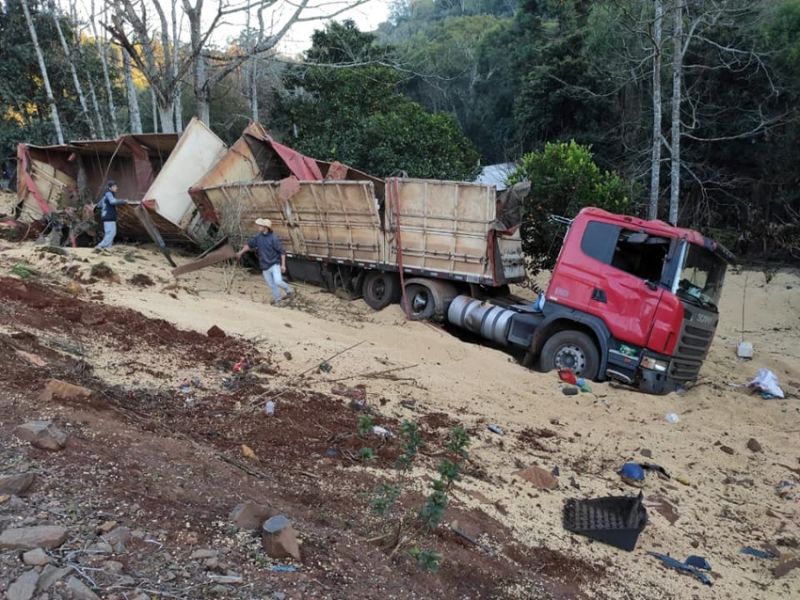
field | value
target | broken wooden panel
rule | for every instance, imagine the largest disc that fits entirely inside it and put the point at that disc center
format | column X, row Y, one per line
column 52, row 189
column 197, row 150
column 444, row 227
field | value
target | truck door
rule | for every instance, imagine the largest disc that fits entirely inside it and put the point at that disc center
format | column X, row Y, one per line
column 617, row 274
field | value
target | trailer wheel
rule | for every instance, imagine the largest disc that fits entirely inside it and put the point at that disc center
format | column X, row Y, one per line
column 572, row 350
column 421, row 302
column 380, row 289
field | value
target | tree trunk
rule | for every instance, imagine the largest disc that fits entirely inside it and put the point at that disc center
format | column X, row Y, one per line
column 43, row 68
column 202, row 93
column 655, row 160
column 254, row 90
column 75, row 80
column 176, row 100
column 155, row 109
column 675, row 138
column 112, row 111
column 133, row 98
column 93, row 96
column 166, row 112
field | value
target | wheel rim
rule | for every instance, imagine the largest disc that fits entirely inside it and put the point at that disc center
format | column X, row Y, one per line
column 571, row 357
column 378, row 288
column 419, row 301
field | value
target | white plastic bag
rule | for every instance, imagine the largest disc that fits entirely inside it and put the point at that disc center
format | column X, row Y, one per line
column 767, row 381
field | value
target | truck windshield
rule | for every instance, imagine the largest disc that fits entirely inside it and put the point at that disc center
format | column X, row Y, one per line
column 700, row 277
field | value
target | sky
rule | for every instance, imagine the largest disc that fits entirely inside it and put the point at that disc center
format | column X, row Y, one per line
column 367, row 16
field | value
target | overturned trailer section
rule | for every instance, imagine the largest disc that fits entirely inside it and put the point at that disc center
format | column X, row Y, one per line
column 59, row 184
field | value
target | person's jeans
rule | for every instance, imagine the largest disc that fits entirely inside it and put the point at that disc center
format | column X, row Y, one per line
column 110, row 232
column 275, row 282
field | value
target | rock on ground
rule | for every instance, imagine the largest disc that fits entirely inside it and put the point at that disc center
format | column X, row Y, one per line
column 279, row 538
column 29, row 538
column 24, row 587
column 79, row 591
column 16, row 485
column 62, row 390
column 50, row 575
column 42, row 434
column 36, row 557
column 249, row 515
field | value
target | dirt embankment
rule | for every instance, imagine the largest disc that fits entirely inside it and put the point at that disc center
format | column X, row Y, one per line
column 159, row 444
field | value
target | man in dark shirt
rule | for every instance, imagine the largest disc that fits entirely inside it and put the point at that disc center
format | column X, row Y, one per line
column 108, row 214
column 271, row 258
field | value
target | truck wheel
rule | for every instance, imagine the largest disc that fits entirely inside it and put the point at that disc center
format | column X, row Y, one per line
column 572, row 350
column 421, row 303
column 380, row 289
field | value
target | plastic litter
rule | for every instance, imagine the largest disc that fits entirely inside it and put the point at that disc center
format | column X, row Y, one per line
column 686, row 567
column 788, row 490
column 283, row 569
column 269, row 408
column 616, row 521
column 765, row 554
column 381, row 431
column 567, row 376
column 744, row 350
column 569, row 391
column 632, row 474
column 766, row 382
column 672, row 417
column 496, row 429
column 583, row 386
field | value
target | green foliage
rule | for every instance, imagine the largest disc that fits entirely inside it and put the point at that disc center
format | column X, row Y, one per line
column 427, row 559
column 459, row 441
column 355, row 114
column 564, row 179
column 366, row 454
column 435, row 505
column 384, row 499
column 23, row 271
column 411, row 445
column 365, row 425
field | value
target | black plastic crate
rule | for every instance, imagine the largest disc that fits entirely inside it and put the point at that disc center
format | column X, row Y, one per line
column 616, row 521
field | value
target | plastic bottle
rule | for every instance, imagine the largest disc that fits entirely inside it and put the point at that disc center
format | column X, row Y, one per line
column 269, row 408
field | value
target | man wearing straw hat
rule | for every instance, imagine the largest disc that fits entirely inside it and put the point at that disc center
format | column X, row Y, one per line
column 271, row 258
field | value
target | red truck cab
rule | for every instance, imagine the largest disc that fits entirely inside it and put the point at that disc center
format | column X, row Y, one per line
column 643, row 293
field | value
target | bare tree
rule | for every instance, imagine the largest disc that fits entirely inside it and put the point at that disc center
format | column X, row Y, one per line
column 166, row 68
column 133, row 98
column 655, row 161
column 43, row 68
column 175, row 58
column 677, row 82
column 101, row 51
column 74, row 71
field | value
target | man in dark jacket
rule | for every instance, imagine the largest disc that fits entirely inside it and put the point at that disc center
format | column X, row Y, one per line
column 108, row 214
column 271, row 258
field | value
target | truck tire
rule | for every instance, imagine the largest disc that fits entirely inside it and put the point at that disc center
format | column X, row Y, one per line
column 380, row 289
column 570, row 349
column 421, row 303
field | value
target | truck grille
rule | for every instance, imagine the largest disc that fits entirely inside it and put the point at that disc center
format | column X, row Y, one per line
column 693, row 344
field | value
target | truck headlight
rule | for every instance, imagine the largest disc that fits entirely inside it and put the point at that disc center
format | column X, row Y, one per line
column 649, row 362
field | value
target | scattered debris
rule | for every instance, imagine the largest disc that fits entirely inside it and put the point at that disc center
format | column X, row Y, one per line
column 754, row 446
column 248, row 453
column 569, row 391
column 727, row 449
column 102, row 271
column 744, row 350
column 672, row 417
column 269, row 408
column 567, row 376
column 765, row 554
column 616, row 521
column 632, row 474
column 24, row 271
column 215, row 332
column 767, row 383
column 496, row 429
column 689, row 566
column 788, row 490
column 382, row 432
column 283, row 569
column 540, row 478
column 141, row 280
column 42, row 434
column 279, row 538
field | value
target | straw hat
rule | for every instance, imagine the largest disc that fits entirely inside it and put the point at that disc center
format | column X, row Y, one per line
column 264, row 223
